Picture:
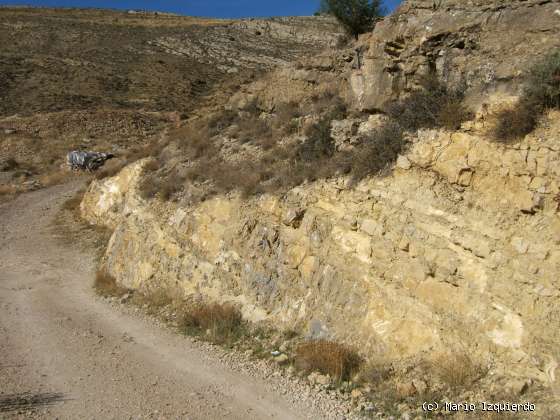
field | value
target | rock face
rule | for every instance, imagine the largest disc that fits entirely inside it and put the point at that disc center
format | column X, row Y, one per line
column 458, row 248
column 483, row 45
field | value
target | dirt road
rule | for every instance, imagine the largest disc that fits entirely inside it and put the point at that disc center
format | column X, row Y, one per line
column 64, row 353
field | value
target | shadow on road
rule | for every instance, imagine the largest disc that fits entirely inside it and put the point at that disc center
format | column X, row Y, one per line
column 28, row 400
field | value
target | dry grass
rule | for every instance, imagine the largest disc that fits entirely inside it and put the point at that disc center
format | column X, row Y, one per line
column 375, row 373
column 108, row 171
column 54, row 178
column 153, row 301
column 106, row 285
column 329, row 358
column 73, row 203
column 279, row 165
column 220, row 323
column 7, row 190
column 458, row 370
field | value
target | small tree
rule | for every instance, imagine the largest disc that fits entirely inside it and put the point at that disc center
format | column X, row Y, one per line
column 356, row 16
column 323, row 8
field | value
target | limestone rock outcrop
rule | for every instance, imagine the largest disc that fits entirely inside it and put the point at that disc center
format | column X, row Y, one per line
column 459, row 247
column 483, row 46
column 455, row 248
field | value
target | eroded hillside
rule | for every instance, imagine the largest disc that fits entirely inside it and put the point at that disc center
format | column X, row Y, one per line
column 113, row 80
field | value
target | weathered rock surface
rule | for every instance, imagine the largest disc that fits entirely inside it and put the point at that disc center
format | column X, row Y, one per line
column 458, row 248
column 484, row 45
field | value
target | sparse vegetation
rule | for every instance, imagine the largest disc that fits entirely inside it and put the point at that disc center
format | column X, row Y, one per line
column 7, row 190
column 541, row 92
column 515, row 123
column 432, row 105
column 9, row 165
column 268, row 156
column 72, row 228
column 220, row 323
column 458, row 370
column 73, row 203
column 381, row 148
column 376, row 372
column 328, row 357
column 106, row 285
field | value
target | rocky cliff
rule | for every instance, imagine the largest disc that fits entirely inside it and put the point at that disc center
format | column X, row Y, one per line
column 484, row 45
column 454, row 248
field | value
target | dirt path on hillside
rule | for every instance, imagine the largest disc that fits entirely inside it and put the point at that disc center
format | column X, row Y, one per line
column 64, row 353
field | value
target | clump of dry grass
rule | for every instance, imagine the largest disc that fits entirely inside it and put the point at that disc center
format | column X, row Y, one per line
column 106, row 285
column 7, row 189
column 329, row 358
column 54, row 178
column 458, row 370
column 153, row 301
column 73, row 203
column 220, row 323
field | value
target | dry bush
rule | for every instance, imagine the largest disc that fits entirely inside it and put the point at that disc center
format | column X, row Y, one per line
column 106, row 285
column 159, row 185
column 152, row 149
column 458, row 370
column 111, row 170
column 433, row 105
column 541, row 92
column 379, row 150
column 153, row 301
column 7, row 190
column 9, row 165
column 222, row 323
column 286, row 115
column 543, row 82
column 515, row 123
column 149, row 186
column 220, row 121
column 329, row 103
column 453, row 113
column 73, row 203
column 329, row 358
column 170, row 187
column 319, row 143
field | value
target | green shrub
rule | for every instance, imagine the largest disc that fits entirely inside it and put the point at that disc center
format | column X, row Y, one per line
column 357, row 16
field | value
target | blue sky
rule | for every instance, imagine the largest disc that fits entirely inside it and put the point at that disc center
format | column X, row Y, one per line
column 210, row 8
